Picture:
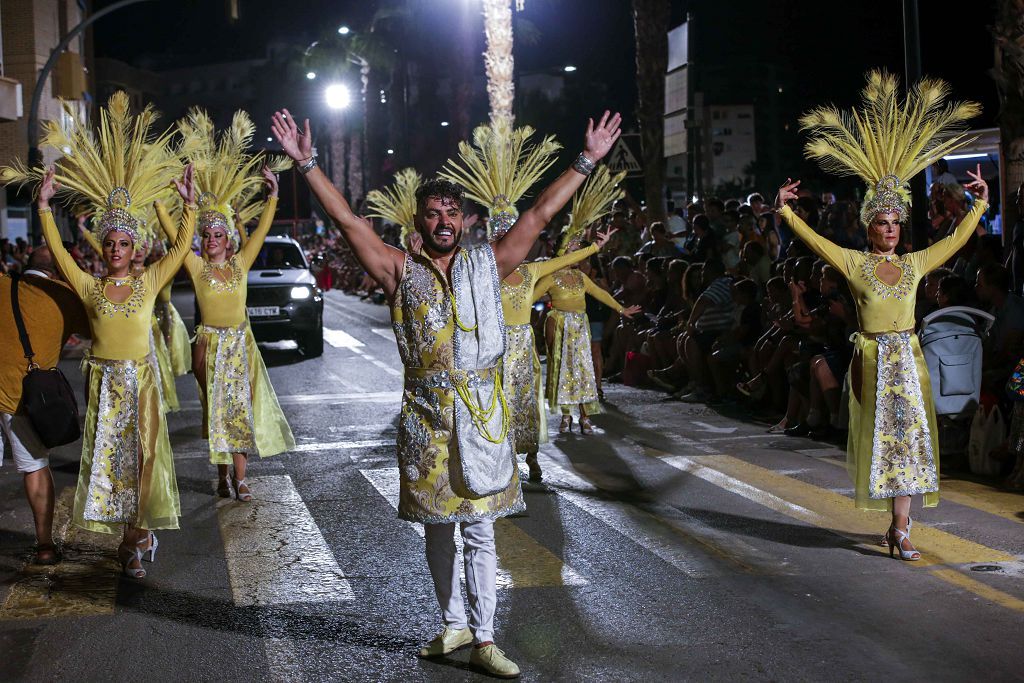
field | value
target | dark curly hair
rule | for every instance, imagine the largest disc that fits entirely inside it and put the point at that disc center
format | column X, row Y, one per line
column 440, row 189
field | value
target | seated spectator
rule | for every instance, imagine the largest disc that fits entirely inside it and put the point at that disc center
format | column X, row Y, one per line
column 1003, row 346
column 661, row 243
column 712, row 315
column 755, row 264
column 733, row 350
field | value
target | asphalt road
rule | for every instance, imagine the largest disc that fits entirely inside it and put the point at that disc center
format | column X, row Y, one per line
column 676, row 544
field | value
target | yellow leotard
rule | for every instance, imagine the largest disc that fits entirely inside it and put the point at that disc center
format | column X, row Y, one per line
column 569, row 289
column 223, row 301
column 517, row 300
column 119, row 332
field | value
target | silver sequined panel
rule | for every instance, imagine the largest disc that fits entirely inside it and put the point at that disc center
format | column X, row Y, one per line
column 113, row 494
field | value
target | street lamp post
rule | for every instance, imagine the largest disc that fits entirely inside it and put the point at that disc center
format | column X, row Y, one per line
column 35, row 156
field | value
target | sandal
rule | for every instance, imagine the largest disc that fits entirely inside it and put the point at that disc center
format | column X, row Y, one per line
column 224, row 487
column 243, row 496
column 586, row 426
column 46, row 554
column 566, row 424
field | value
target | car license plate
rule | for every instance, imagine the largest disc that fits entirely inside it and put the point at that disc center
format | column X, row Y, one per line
column 263, row 311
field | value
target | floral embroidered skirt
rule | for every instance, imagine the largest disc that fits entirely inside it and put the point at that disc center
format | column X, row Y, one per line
column 427, row 461
column 521, row 380
column 160, row 359
column 571, row 380
column 127, row 469
column 175, row 336
column 242, row 414
column 892, row 449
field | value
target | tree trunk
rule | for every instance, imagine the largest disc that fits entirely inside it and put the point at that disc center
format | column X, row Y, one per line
column 650, row 22
column 498, row 59
column 1008, row 32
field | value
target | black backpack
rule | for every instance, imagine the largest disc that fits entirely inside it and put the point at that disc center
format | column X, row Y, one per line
column 46, row 396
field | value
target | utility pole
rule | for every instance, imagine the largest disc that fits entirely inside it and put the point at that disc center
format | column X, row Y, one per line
column 912, row 70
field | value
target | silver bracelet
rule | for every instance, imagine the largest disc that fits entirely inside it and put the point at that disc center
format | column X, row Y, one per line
column 308, row 166
column 583, row 165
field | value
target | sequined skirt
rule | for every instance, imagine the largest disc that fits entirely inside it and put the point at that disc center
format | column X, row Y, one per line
column 160, row 359
column 175, row 336
column 428, row 462
column 892, row 449
column 127, row 468
column 571, row 380
column 241, row 408
column 521, row 379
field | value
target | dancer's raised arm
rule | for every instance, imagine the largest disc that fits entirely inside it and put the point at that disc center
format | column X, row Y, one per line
column 384, row 263
column 81, row 281
column 511, row 249
column 251, row 247
column 829, row 251
column 164, row 269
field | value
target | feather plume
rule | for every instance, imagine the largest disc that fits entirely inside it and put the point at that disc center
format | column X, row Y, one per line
column 123, row 151
column 397, row 203
column 501, row 165
column 593, row 201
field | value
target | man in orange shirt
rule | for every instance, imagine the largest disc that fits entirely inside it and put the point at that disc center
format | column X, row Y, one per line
column 52, row 312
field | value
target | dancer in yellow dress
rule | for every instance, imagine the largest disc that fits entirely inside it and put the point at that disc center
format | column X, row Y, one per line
column 571, row 383
column 127, row 476
column 892, row 450
column 242, row 416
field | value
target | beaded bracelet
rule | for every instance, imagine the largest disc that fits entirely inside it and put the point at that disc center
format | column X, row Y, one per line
column 583, row 165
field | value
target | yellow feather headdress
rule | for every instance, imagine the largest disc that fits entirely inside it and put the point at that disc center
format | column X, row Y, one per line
column 397, row 203
column 593, row 201
column 119, row 169
column 886, row 141
column 498, row 169
column 227, row 173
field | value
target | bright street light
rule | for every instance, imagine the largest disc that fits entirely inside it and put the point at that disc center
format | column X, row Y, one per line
column 270, row 139
column 444, row 124
column 344, row 30
column 310, row 75
column 337, row 96
column 569, row 68
column 391, row 151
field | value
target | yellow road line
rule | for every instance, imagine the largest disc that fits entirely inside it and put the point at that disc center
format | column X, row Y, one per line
column 972, row 494
column 522, row 561
column 275, row 552
column 83, row 584
column 980, row 589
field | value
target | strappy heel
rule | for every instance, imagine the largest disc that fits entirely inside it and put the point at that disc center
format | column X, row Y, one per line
column 242, row 496
column 224, row 487
column 586, row 426
column 151, row 550
column 896, row 538
column 134, row 555
column 566, row 424
column 885, row 537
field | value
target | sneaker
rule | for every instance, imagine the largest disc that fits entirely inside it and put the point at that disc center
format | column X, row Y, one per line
column 697, row 396
column 493, row 661
column 450, row 640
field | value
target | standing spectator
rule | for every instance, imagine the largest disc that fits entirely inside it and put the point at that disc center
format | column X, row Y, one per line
column 1006, row 337
column 52, row 313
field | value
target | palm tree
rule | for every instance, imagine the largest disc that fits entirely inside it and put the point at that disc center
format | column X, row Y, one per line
column 498, row 60
column 1008, row 31
column 650, row 23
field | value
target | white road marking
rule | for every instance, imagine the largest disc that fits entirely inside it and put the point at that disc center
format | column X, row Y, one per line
column 385, row 332
column 705, row 427
column 394, row 397
column 315, row 447
column 341, row 340
column 380, row 364
column 275, row 552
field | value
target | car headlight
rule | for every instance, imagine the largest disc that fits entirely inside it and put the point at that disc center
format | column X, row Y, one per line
column 300, row 292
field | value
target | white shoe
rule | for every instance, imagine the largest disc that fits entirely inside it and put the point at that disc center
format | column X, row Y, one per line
column 449, row 640
column 493, row 661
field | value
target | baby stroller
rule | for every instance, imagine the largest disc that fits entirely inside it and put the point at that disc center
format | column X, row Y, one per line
column 951, row 340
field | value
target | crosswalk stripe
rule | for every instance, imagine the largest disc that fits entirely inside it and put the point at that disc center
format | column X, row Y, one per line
column 341, row 340
column 275, row 552
column 385, row 332
column 83, row 584
column 326, row 399
column 522, row 561
column 182, row 454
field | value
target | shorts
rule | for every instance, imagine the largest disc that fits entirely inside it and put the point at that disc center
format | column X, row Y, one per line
column 30, row 455
column 705, row 340
column 596, row 331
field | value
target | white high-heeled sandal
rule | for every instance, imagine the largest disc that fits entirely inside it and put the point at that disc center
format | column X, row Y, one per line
column 242, row 497
column 905, row 555
column 151, row 550
column 136, row 555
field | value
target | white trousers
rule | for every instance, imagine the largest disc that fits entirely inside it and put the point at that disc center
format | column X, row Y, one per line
column 27, row 449
column 481, row 573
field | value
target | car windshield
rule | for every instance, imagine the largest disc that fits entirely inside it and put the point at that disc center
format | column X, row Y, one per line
column 278, row 255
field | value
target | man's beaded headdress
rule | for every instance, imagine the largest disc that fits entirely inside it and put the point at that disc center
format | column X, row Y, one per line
column 887, row 141
column 397, row 202
column 118, row 170
column 498, row 169
column 593, row 201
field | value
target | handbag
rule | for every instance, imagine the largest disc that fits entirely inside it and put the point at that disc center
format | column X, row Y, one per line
column 1015, row 385
column 46, row 396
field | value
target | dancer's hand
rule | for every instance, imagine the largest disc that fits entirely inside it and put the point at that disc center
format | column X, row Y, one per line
column 599, row 139
column 270, row 178
column 630, row 311
column 296, row 144
column 47, row 189
column 601, row 238
column 185, row 187
column 978, row 186
column 786, row 193
column 415, row 241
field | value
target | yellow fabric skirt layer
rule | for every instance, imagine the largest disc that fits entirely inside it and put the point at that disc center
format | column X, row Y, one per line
column 241, row 409
column 893, row 446
column 428, row 456
column 161, row 360
column 127, row 468
column 521, row 381
column 571, row 380
column 175, row 336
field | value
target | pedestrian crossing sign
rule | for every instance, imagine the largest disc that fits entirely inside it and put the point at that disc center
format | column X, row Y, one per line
column 625, row 156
